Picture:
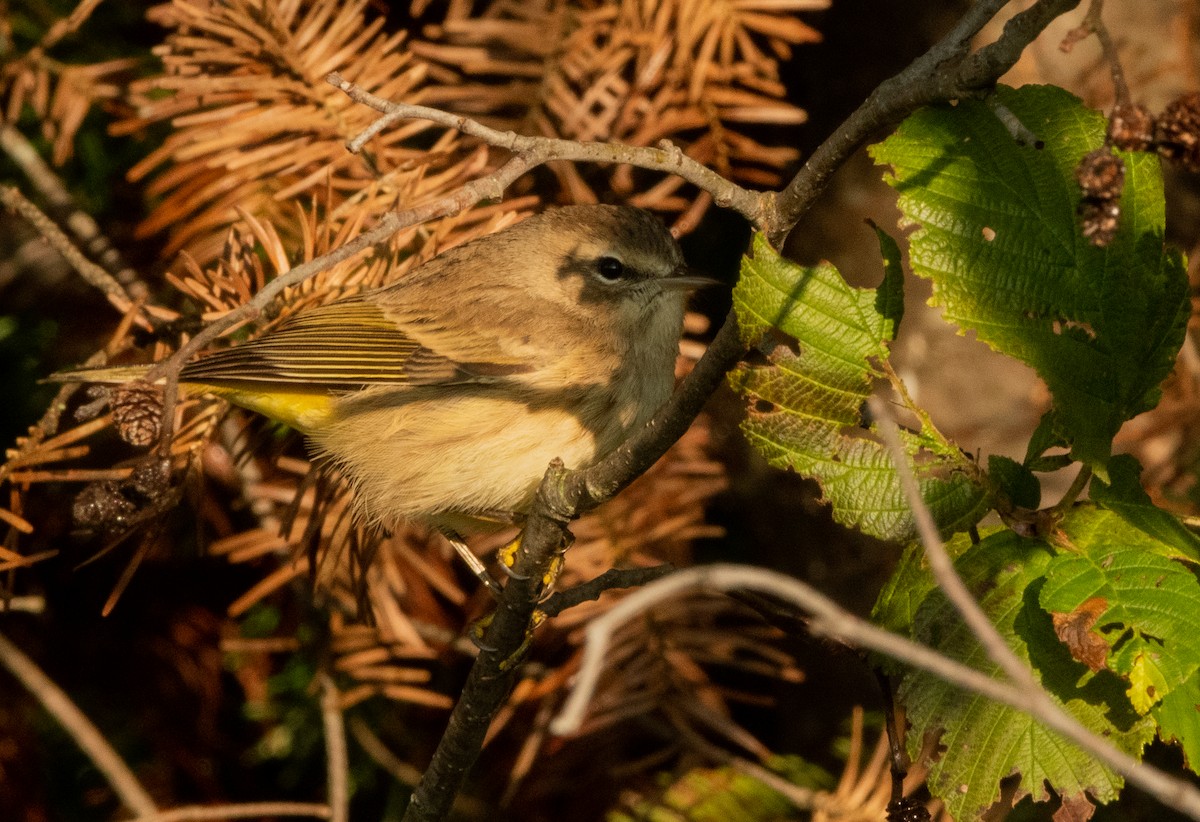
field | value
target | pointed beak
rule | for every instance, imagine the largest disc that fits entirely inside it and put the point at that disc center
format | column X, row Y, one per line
column 686, row 279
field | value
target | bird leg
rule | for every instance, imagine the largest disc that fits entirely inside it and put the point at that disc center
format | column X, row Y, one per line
column 473, row 562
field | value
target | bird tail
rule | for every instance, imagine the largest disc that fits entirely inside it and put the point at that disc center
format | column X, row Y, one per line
column 108, row 375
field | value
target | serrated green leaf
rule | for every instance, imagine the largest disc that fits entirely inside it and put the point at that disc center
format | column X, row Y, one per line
column 1150, row 615
column 1000, row 242
column 805, row 409
column 1151, row 604
column 1125, row 497
column 985, row 742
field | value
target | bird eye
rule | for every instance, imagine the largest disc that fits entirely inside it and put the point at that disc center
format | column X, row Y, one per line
column 611, row 269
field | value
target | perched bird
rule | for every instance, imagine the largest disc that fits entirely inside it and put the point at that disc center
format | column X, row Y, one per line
column 444, row 397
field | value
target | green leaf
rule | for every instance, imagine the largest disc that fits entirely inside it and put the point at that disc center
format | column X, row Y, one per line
column 1044, row 438
column 1178, row 717
column 1125, row 497
column 725, row 795
column 1016, row 482
column 805, row 409
column 985, row 742
column 889, row 297
column 1152, row 616
column 1000, row 241
column 910, row 584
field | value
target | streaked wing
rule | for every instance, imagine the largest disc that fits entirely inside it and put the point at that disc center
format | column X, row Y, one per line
column 343, row 345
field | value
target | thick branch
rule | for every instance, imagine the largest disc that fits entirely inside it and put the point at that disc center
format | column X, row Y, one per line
column 945, row 72
column 491, row 675
column 594, row 588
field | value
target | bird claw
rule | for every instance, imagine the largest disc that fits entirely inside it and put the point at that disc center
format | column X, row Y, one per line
column 476, row 631
column 508, row 558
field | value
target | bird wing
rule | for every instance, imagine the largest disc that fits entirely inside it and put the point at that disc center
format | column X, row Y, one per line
column 346, row 344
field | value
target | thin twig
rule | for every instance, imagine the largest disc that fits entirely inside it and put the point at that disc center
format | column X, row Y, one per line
column 30, row 604
column 68, row 212
column 593, row 588
column 1094, row 21
column 94, row 274
column 246, row 810
column 375, row 748
column 86, row 735
column 1021, row 133
column 68, row 25
column 337, row 760
column 533, row 151
column 805, row 799
column 940, row 562
column 401, row 771
column 829, row 619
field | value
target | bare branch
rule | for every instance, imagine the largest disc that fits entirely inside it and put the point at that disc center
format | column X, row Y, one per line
column 533, row 151
column 247, row 810
column 94, row 274
column 940, row 562
column 86, row 735
column 831, row 620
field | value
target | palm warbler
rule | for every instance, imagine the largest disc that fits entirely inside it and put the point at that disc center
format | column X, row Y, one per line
column 445, row 396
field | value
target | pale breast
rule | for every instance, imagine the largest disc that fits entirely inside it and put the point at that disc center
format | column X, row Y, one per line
column 421, row 455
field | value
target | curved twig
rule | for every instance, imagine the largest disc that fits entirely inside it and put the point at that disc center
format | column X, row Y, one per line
column 831, row 620
column 86, row 735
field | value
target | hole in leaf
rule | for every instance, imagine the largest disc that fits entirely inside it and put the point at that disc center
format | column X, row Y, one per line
column 989, row 233
column 1062, row 325
column 764, row 406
